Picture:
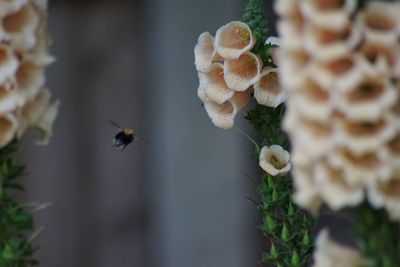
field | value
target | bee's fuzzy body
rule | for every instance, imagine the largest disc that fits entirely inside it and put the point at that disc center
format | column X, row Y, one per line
column 123, row 138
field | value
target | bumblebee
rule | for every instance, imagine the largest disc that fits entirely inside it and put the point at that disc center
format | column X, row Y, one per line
column 124, row 137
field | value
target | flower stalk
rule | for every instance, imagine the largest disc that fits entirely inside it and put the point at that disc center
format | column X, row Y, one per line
column 16, row 223
column 286, row 225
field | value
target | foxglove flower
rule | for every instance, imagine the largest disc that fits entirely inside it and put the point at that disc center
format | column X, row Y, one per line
column 274, row 160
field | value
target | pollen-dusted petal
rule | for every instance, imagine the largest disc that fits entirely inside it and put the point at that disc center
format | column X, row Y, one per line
column 45, row 123
column 333, row 14
column 365, row 136
column 331, row 254
column 203, row 52
column 368, row 100
column 8, row 128
column 327, row 44
column 31, row 112
column 334, row 189
column 30, row 78
column 386, row 194
column 233, row 39
column 267, row 90
column 243, row 72
column 214, row 84
column 274, row 160
column 20, row 27
column 379, row 22
column 8, row 63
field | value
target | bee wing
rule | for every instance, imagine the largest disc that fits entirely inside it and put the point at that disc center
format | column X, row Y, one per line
column 113, row 123
column 144, row 141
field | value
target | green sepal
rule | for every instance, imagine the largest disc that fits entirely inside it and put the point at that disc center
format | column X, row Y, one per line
column 285, row 234
column 295, row 259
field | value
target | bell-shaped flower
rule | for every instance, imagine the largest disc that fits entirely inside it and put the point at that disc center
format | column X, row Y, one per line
column 30, row 78
column 204, row 52
column 268, row 90
column 243, row 72
column 274, row 160
column 223, row 115
column 214, row 84
column 20, row 27
column 234, row 39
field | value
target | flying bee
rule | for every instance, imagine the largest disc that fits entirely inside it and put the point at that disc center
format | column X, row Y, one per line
column 124, row 137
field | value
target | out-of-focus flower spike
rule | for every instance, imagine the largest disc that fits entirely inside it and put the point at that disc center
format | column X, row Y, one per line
column 379, row 22
column 30, row 78
column 328, row 14
column 8, row 63
column 31, row 112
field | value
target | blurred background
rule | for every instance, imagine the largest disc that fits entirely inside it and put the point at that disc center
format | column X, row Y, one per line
column 179, row 201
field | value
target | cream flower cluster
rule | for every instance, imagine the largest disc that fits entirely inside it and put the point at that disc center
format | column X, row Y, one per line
column 341, row 68
column 227, row 70
column 23, row 56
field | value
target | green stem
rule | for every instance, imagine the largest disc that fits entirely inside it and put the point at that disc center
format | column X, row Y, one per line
column 15, row 223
